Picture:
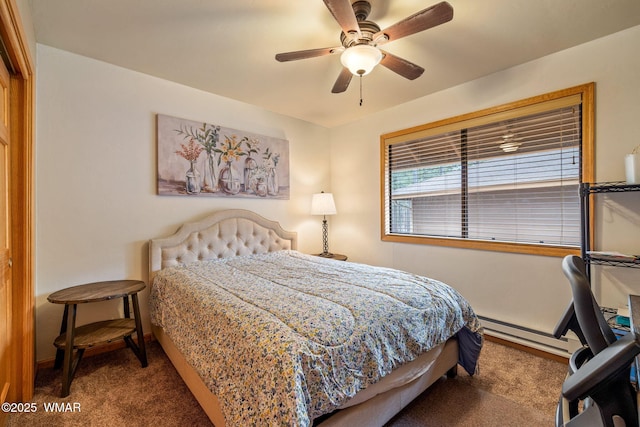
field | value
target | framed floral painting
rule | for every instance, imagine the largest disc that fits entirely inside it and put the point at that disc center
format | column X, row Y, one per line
column 207, row 160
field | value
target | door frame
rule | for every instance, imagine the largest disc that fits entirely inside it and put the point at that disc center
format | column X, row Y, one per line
column 21, row 199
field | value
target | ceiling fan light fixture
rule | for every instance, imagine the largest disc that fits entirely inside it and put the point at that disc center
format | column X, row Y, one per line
column 361, row 59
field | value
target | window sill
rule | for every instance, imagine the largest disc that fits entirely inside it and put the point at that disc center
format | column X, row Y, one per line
column 521, row 248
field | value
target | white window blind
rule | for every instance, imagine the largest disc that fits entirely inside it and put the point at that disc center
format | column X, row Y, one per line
column 507, row 177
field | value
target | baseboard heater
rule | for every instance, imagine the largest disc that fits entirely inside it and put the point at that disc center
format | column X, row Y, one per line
column 527, row 336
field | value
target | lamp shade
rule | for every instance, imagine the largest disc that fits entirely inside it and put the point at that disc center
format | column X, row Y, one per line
column 322, row 204
column 360, row 59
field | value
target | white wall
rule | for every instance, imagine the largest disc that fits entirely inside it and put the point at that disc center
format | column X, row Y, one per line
column 24, row 10
column 95, row 180
column 96, row 202
column 526, row 290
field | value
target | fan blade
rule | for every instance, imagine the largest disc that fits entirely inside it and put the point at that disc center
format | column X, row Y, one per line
column 423, row 20
column 342, row 83
column 406, row 69
column 310, row 53
column 342, row 12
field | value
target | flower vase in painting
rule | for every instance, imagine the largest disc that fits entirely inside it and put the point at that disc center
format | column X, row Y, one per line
column 210, row 180
column 261, row 187
column 231, row 149
column 207, row 136
column 250, row 164
column 250, row 167
column 273, row 186
column 191, row 152
column 271, row 161
column 229, row 179
column 192, row 180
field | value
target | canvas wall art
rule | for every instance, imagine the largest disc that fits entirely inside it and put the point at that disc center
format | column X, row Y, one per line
column 207, row 160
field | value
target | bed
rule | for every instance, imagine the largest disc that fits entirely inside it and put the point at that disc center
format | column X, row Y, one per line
column 265, row 335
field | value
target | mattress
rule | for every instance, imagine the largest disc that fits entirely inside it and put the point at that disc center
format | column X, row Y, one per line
column 284, row 337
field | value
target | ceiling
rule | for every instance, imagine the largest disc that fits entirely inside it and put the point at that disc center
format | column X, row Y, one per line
column 228, row 47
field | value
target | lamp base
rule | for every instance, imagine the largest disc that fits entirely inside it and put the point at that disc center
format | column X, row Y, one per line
column 326, row 255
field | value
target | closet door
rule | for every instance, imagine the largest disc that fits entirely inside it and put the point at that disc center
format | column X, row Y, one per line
column 5, row 244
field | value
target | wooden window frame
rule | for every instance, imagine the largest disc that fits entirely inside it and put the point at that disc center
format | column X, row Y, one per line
column 586, row 91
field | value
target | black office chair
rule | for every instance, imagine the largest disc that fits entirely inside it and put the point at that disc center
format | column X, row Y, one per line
column 599, row 372
column 574, row 267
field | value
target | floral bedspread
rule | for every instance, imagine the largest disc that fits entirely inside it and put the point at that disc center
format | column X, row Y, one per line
column 282, row 338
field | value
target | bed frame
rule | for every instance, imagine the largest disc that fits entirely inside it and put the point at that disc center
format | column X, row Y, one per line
column 238, row 232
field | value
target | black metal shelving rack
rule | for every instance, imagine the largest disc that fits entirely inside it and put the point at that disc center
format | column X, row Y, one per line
column 586, row 190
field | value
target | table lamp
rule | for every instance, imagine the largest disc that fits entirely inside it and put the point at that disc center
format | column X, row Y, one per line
column 322, row 204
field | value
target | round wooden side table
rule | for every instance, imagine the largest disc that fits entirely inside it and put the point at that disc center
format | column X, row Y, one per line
column 97, row 333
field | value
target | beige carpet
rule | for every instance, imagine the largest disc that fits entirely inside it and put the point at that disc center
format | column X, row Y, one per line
column 513, row 388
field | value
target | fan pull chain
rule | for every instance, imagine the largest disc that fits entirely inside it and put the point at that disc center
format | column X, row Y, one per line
column 361, row 90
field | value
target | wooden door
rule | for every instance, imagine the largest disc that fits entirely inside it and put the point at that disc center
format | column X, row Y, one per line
column 5, row 249
column 16, row 211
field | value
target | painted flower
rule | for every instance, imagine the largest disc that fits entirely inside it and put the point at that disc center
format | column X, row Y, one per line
column 252, row 145
column 271, row 158
column 191, row 151
column 231, row 149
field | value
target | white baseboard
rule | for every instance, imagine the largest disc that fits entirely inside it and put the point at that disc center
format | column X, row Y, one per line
column 528, row 337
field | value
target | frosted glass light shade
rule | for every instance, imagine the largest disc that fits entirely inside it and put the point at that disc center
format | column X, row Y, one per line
column 322, row 204
column 360, row 59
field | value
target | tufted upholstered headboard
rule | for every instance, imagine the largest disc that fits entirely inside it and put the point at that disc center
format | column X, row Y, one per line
column 223, row 234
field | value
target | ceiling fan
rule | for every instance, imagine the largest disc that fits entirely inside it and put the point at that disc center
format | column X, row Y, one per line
column 360, row 40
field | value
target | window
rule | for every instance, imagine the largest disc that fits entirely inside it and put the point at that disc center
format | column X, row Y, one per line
column 503, row 179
